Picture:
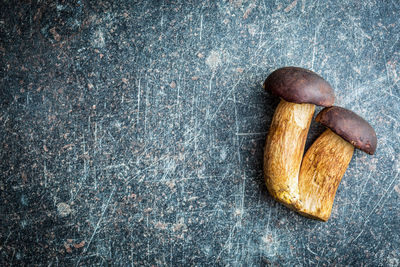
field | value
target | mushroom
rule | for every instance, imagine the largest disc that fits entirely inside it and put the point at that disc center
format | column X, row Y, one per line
column 326, row 161
column 300, row 90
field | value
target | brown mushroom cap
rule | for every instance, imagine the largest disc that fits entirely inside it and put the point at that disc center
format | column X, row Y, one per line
column 299, row 85
column 350, row 127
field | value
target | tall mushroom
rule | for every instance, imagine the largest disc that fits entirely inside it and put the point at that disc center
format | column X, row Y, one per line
column 300, row 90
column 326, row 161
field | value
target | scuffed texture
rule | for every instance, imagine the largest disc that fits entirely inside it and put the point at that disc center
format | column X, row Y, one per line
column 132, row 133
column 350, row 127
column 322, row 169
column 299, row 85
column 284, row 149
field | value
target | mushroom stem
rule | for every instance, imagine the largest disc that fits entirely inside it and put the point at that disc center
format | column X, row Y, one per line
column 284, row 149
column 322, row 169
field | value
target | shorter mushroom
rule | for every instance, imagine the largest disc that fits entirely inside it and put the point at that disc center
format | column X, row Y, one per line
column 326, row 161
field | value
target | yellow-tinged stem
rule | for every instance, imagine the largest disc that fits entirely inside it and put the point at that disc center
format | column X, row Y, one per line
column 322, row 169
column 284, row 149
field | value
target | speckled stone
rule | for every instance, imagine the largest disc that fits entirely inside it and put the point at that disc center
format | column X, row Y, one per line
column 132, row 132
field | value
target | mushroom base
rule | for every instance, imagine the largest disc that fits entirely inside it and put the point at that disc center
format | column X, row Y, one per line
column 322, row 169
column 284, row 149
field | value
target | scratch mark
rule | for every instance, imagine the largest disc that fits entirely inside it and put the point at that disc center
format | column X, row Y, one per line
column 45, row 173
column 244, row 134
column 95, row 133
column 85, row 163
column 261, row 33
column 390, row 117
column 9, row 234
column 357, row 236
column 308, row 248
column 362, row 88
column 360, row 194
column 177, row 99
column 248, row 11
column 97, row 225
column 383, row 196
column 147, row 104
column 317, row 29
column 209, row 95
column 387, row 72
column 115, row 166
column 201, row 25
column 228, row 243
column 291, row 6
column 240, row 161
column 390, row 94
column 153, row 165
column 162, row 16
column 138, row 103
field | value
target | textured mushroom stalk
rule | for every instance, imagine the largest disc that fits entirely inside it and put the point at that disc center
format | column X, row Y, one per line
column 326, row 161
column 322, row 169
column 284, row 149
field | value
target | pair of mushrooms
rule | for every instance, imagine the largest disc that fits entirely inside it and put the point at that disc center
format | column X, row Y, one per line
column 308, row 184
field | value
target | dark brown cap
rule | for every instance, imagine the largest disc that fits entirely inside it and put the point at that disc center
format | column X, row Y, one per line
column 350, row 127
column 299, row 85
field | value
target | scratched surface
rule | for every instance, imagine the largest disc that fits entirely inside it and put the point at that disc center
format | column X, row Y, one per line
column 132, row 133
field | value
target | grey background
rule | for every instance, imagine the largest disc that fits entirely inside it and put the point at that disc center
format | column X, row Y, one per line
column 132, row 132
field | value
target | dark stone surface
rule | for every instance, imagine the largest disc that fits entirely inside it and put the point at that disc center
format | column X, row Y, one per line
column 132, row 132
